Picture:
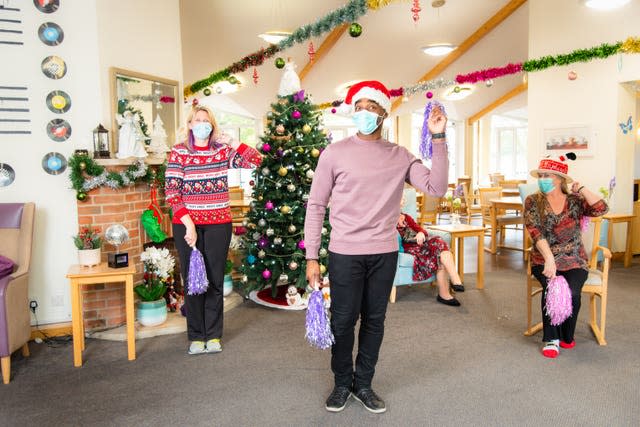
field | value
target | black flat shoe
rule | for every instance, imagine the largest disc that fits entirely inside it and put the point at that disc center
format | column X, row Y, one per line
column 452, row 302
column 458, row 288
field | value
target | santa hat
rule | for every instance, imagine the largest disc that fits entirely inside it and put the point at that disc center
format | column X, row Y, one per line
column 370, row 89
column 557, row 166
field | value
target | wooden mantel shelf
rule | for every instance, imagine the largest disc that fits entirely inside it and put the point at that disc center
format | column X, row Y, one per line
column 150, row 160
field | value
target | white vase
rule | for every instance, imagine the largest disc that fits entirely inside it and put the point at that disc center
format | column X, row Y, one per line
column 89, row 257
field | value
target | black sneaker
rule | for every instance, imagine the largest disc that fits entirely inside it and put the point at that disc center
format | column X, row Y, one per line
column 370, row 400
column 337, row 400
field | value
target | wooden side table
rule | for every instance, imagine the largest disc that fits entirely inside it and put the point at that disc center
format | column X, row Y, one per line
column 621, row 218
column 79, row 275
column 458, row 233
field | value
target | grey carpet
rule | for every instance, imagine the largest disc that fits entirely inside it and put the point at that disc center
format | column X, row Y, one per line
column 438, row 366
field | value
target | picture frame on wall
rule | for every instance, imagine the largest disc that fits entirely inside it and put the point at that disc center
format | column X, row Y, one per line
column 558, row 140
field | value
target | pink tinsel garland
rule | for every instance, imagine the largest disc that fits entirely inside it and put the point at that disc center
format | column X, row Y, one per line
column 489, row 73
column 558, row 300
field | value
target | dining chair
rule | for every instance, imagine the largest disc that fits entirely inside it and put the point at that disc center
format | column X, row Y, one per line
column 471, row 203
column 490, row 215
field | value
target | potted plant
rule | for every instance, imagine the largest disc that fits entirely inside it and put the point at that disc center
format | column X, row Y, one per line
column 228, row 282
column 158, row 275
column 88, row 242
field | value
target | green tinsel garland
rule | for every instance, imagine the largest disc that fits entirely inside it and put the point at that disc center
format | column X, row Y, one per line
column 581, row 55
column 349, row 13
column 82, row 165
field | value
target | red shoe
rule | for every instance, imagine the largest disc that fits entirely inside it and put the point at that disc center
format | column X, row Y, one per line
column 568, row 344
column 550, row 350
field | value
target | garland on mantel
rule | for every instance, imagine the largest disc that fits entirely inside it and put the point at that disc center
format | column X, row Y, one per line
column 82, row 166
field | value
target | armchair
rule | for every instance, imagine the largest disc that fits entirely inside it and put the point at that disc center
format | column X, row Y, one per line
column 16, row 233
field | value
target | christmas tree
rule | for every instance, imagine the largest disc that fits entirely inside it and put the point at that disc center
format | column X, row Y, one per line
column 274, row 241
column 158, row 143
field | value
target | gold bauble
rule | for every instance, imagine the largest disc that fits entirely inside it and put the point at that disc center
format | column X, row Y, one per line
column 315, row 152
column 260, row 198
column 306, row 129
column 282, row 171
column 285, row 209
column 323, row 269
column 300, row 150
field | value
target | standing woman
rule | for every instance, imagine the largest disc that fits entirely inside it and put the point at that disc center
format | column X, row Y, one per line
column 197, row 190
column 552, row 217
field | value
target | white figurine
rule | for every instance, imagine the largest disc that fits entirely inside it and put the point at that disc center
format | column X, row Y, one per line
column 293, row 297
column 130, row 138
column 290, row 82
column 158, row 145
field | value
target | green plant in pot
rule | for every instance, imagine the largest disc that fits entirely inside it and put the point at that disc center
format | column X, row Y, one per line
column 158, row 275
column 89, row 244
column 228, row 282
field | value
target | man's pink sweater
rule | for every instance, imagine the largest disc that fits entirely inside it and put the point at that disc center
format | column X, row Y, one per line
column 363, row 182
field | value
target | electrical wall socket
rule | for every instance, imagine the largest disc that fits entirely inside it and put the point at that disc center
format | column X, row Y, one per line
column 57, row 300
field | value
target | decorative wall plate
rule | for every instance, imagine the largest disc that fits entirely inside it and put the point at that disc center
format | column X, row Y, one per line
column 46, row 6
column 7, row 175
column 54, row 67
column 54, row 163
column 58, row 101
column 50, row 34
column 59, row 130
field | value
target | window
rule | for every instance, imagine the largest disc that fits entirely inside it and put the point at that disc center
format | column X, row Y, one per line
column 508, row 150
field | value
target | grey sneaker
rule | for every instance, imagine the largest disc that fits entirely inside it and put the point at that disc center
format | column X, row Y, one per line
column 197, row 347
column 214, row 346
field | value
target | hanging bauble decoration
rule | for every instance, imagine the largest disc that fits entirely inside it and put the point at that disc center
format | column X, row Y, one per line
column 266, row 274
column 415, row 10
column 301, row 244
column 457, row 89
column 315, row 152
column 279, row 63
column 572, row 75
column 323, row 269
column 333, row 111
column 293, row 265
column 269, row 205
column 305, row 197
column 81, row 196
column 269, row 114
column 489, row 82
column 283, row 278
column 270, row 232
column 310, row 174
column 285, row 209
column 259, row 146
column 279, row 152
column 291, row 188
column 256, row 236
column 282, row 171
column 292, row 228
column 355, row 29
column 233, row 80
column 429, row 94
column 255, row 75
column 300, row 150
column 252, row 183
column 83, row 165
column 263, row 242
column 322, row 252
column 278, row 184
column 219, row 90
column 324, row 231
column 277, row 240
column 260, row 197
column 280, row 129
column 251, row 259
column 262, row 222
column 244, row 279
column 296, row 114
column 266, row 147
column 311, row 51
column 306, row 129
column 261, row 254
column 251, row 225
column 283, row 101
column 245, row 222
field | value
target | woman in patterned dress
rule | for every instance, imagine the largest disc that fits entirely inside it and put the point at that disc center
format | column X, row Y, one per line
column 432, row 256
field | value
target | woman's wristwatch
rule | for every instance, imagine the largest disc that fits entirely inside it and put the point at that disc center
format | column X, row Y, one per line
column 440, row 135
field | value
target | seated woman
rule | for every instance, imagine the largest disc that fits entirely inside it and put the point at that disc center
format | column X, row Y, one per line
column 432, row 255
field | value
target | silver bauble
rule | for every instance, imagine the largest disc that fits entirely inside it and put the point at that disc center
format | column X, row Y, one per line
column 291, row 188
column 270, row 232
column 259, row 146
column 277, row 240
column 489, row 82
column 256, row 236
column 245, row 222
column 266, row 171
column 310, row 173
column 293, row 265
column 305, row 197
column 262, row 222
column 278, row 185
column 283, row 278
column 116, row 234
column 324, row 231
column 245, row 279
column 261, row 254
column 323, row 252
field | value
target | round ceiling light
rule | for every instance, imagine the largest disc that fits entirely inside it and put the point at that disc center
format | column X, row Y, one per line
column 605, row 4
column 438, row 49
column 274, row 37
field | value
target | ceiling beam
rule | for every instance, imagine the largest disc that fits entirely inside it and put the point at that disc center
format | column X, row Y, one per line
column 474, row 38
column 324, row 48
column 504, row 98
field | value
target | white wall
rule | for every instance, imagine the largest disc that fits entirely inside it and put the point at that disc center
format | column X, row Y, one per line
column 595, row 98
column 97, row 34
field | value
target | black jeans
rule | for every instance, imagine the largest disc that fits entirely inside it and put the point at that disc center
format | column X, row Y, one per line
column 204, row 311
column 360, row 287
column 565, row 331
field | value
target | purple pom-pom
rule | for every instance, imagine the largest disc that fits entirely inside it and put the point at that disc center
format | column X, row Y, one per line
column 198, row 282
column 318, row 330
column 558, row 300
column 584, row 224
column 426, row 147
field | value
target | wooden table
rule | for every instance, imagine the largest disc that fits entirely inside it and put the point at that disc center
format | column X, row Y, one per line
column 458, row 232
column 79, row 275
column 502, row 204
column 621, row 218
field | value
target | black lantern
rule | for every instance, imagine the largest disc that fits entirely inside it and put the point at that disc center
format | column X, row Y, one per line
column 101, row 143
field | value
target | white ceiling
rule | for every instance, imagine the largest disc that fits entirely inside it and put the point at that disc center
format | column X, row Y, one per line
column 217, row 33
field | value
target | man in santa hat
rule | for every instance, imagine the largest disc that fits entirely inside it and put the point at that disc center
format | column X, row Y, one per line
column 363, row 177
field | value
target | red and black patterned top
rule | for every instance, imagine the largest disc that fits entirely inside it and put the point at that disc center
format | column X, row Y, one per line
column 562, row 231
column 196, row 183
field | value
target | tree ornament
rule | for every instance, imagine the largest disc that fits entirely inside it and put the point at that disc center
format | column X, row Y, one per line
column 315, row 152
column 283, row 101
column 259, row 146
column 489, row 82
column 278, row 184
column 305, row 197
column 429, row 94
column 333, row 110
column 266, row 274
column 322, row 252
column 83, row 165
column 263, row 242
column 323, row 269
column 300, row 150
column 269, row 205
column 252, row 183
column 301, row 244
column 279, row 63
column 355, row 29
column 245, row 222
column 291, row 188
column 262, row 222
column 270, row 115
column 251, row 259
column 285, row 209
column 266, row 147
column 282, row 171
column 296, row 114
column 310, row 174
column 206, row 91
column 416, row 11
column 270, row 232
column 261, row 254
column 293, row 265
column 306, row 129
column 260, row 198
column 244, row 279
column 457, row 89
column 572, row 75
column 283, row 278
column 81, row 196
column 256, row 236
column 280, row 152
column 251, row 225
column 219, row 90
column 280, row 129
column 277, row 240
column 292, row 228
column 324, row 231
column 255, row 75
column 311, row 51
column 266, row 171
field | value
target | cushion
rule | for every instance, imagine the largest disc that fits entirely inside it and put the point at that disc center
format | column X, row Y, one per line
column 6, row 266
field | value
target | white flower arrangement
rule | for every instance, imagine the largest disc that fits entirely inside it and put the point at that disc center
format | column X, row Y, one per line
column 158, row 261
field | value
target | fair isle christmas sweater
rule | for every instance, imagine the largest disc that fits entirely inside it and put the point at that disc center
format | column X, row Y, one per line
column 196, row 183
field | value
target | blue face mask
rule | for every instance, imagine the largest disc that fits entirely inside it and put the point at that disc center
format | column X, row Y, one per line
column 202, row 130
column 545, row 185
column 366, row 122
